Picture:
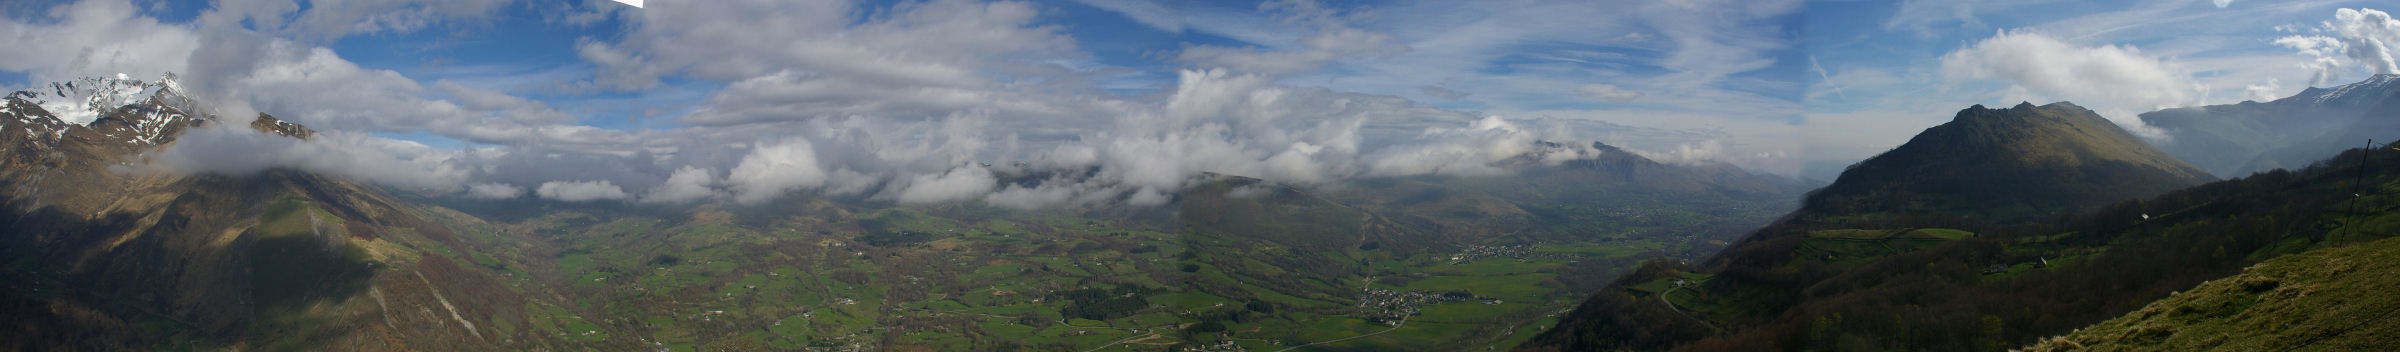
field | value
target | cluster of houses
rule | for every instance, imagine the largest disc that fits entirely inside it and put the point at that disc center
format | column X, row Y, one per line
column 1520, row 252
column 1389, row 307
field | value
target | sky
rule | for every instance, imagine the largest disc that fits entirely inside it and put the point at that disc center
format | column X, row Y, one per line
column 1097, row 102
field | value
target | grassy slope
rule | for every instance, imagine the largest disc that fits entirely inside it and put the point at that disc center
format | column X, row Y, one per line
column 2333, row 299
column 1807, row 285
column 2005, row 165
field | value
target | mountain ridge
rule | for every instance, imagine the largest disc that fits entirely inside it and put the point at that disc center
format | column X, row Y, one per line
column 1942, row 189
column 2010, row 164
column 2238, row 139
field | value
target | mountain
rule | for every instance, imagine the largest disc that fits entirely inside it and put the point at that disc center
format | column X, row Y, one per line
column 2239, row 139
column 2001, row 165
column 108, row 257
column 1956, row 188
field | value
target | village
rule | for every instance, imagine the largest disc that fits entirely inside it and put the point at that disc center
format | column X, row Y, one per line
column 1519, row 252
column 1389, row 307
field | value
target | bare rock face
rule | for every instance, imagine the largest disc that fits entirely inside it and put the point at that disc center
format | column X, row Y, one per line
column 269, row 124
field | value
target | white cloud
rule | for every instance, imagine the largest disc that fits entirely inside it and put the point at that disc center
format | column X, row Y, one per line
column 580, row 191
column 958, row 184
column 328, row 20
column 2370, row 37
column 772, row 169
column 2356, row 39
column 1472, row 151
column 2107, row 77
column 94, row 38
column 2263, row 92
column 234, row 149
column 687, row 185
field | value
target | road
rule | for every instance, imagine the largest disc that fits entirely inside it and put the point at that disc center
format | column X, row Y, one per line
column 1662, row 298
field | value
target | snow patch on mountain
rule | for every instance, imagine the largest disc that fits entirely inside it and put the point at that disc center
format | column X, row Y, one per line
column 148, row 109
column 2371, row 90
column 83, row 100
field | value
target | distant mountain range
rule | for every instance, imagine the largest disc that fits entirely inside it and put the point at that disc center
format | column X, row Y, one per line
column 2236, row 140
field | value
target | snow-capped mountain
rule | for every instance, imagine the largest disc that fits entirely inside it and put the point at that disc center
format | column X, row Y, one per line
column 2365, row 93
column 68, row 144
column 120, row 108
column 2234, row 140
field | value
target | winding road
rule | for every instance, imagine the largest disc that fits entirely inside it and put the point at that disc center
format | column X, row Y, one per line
column 1662, row 298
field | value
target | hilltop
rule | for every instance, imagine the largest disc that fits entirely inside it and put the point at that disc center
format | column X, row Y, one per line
column 2003, row 165
column 1953, row 226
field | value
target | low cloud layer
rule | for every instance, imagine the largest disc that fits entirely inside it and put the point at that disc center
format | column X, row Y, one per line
column 226, row 148
column 921, row 102
column 580, row 191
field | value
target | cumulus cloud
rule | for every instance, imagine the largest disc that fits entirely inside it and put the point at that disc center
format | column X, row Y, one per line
column 1608, row 93
column 2108, row 77
column 955, row 185
column 688, row 184
column 772, row 169
column 2369, row 35
column 2354, row 39
column 1476, row 150
column 92, row 38
column 580, row 191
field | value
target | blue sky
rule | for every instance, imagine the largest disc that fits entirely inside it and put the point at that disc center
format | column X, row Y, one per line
column 887, row 100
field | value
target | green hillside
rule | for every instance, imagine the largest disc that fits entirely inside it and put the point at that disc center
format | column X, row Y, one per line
column 2332, row 299
column 2002, row 166
column 1901, row 281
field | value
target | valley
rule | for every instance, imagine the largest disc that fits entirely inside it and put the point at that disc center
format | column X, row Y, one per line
column 962, row 278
